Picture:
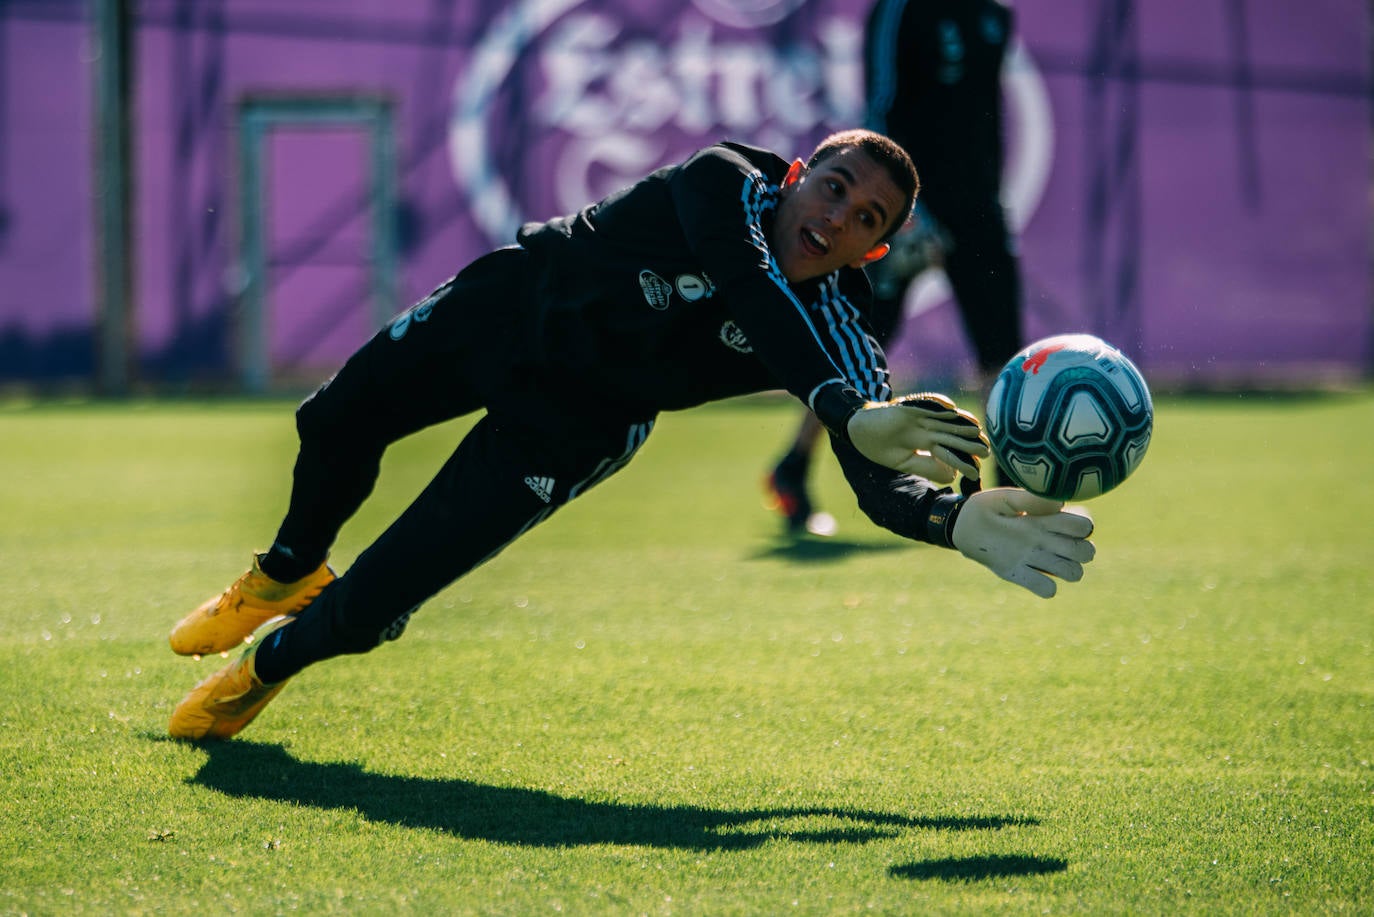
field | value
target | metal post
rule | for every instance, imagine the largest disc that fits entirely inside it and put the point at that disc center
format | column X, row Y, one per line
column 251, row 333
column 385, row 243
column 258, row 117
column 114, row 284
column 1113, row 213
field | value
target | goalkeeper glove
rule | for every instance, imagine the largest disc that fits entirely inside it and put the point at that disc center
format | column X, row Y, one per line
column 1023, row 538
column 921, row 434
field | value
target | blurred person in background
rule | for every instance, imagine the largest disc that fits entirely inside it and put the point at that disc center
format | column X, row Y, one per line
column 933, row 78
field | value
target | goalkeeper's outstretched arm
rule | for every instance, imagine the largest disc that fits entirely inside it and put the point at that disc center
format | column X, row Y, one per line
column 1027, row 540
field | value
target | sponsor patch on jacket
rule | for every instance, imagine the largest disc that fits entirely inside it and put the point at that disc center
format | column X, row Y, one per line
column 732, row 337
column 657, row 291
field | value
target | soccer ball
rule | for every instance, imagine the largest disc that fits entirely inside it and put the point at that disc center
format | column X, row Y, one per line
column 1069, row 417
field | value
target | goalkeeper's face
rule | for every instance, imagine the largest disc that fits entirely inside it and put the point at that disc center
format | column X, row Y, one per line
column 834, row 215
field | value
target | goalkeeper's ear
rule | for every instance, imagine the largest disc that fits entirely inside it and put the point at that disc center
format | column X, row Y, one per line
column 873, row 254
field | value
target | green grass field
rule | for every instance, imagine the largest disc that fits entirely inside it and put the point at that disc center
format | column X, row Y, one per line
column 656, row 705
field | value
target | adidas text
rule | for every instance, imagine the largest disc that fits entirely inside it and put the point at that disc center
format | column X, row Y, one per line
column 542, row 487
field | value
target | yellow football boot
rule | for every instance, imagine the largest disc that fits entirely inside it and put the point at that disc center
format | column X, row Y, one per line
column 228, row 700
column 223, row 622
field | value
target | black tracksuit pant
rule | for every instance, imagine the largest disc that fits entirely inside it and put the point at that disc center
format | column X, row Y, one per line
column 451, row 355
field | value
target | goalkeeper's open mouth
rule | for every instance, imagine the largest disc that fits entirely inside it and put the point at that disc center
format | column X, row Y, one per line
column 814, row 244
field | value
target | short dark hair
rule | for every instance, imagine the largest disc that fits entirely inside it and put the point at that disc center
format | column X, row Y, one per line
column 887, row 153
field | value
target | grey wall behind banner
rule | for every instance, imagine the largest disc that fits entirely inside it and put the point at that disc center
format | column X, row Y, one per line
column 1191, row 181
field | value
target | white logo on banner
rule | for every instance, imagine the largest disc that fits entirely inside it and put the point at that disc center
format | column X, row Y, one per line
column 747, row 13
column 622, row 104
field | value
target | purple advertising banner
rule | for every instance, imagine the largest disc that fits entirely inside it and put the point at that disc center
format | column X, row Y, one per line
column 1190, row 181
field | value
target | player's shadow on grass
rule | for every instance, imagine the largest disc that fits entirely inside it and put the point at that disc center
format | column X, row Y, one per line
column 811, row 550
column 515, row 815
column 975, row 869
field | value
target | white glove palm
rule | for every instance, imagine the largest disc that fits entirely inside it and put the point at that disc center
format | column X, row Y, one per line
column 921, row 434
column 1023, row 538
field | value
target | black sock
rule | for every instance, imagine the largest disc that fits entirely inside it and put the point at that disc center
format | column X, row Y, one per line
column 281, row 563
column 269, row 668
column 313, row 636
column 794, row 464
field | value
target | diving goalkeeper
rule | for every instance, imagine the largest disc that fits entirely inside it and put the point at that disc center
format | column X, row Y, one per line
column 732, row 272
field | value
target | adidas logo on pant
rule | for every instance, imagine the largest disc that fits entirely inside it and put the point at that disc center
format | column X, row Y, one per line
column 542, row 487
